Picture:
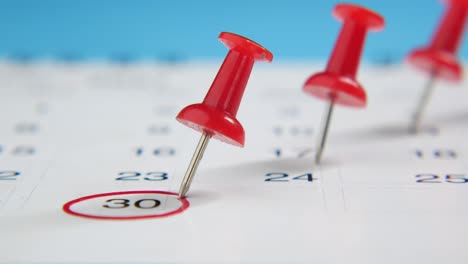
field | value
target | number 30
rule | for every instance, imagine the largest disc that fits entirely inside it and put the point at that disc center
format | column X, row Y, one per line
column 124, row 203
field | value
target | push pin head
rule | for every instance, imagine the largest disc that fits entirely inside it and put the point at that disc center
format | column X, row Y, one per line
column 439, row 57
column 338, row 84
column 216, row 115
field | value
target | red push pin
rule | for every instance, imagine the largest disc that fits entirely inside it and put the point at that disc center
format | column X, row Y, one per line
column 338, row 84
column 216, row 115
column 439, row 58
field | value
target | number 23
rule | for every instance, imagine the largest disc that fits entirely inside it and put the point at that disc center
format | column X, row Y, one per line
column 135, row 176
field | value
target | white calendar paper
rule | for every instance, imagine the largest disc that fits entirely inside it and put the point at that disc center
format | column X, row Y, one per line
column 107, row 134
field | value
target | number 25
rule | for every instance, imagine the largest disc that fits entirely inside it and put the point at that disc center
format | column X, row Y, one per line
column 449, row 178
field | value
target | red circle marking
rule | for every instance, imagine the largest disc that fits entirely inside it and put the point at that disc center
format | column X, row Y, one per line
column 68, row 205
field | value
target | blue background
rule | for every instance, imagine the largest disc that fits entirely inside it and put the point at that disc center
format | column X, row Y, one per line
column 175, row 30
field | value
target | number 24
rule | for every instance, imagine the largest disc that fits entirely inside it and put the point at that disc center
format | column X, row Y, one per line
column 283, row 177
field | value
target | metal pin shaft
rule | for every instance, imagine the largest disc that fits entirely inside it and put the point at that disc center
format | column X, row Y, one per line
column 192, row 168
column 423, row 101
column 324, row 133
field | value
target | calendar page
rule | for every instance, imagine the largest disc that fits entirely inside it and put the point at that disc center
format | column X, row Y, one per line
column 91, row 160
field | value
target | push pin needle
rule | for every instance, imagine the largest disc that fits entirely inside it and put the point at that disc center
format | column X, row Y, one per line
column 324, row 130
column 338, row 84
column 215, row 117
column 422, row 104
column 192, row 168
column 439, row 58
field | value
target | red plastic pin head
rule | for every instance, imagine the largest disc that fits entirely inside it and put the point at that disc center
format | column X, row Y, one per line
column 216, row 115
column 440, row 56
column 338, row 81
